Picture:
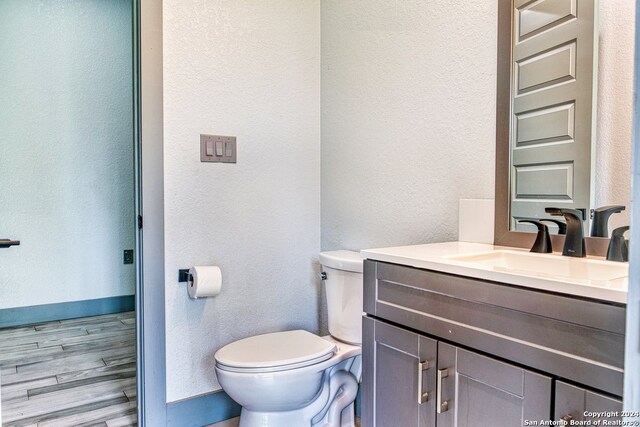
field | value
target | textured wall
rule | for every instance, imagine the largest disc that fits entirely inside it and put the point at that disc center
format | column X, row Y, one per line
column 408, row 118
column 250, row 69
column 615, row 107
column 66, row 151
column 408, row 109
column 407, row 112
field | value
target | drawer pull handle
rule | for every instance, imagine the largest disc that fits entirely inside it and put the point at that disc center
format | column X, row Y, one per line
column 422, row 396
column 441, row 406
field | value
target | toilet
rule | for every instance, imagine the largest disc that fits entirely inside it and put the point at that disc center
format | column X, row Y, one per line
column 296, row 378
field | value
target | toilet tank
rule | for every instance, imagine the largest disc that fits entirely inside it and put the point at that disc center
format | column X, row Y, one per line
column 343, row 289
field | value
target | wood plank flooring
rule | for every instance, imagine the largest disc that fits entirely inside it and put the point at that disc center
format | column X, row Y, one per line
column 70, row 373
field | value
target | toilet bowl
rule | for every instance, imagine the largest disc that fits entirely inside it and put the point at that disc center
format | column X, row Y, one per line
column 296, row 378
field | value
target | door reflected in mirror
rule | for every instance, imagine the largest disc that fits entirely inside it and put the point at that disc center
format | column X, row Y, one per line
column 570, row 111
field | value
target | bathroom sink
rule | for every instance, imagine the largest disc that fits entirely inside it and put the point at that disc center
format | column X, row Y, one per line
column 578, row 270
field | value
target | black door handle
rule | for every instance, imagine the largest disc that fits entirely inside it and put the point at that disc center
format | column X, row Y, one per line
column 6, row 243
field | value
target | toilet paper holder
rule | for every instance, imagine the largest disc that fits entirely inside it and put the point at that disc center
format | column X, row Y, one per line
column 184, row 276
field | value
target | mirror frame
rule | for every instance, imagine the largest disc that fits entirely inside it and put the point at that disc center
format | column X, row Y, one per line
column 503, row 236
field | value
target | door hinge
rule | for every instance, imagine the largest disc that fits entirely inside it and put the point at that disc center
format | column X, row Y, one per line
column 139, row 221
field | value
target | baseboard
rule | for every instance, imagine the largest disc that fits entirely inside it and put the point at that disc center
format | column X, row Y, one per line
column 217, row 409
column 202, row 410
column 65, row 310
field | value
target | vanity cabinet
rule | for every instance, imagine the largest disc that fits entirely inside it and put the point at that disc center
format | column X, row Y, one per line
column 578, row 404
column 419, row 381
column 446, row 350
column 402, row 378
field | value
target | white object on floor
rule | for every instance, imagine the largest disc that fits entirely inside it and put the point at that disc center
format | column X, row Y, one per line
column 297, row 378
column 476, row 220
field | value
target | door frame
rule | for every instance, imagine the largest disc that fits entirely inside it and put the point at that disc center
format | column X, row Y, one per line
column 149, row 172
column 631, row 398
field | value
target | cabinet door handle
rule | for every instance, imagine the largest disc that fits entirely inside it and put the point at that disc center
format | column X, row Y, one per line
column 422, row 396
column 441, row 406
column 566, row 420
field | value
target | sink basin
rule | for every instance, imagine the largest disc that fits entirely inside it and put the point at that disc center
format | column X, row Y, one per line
column 578, row 270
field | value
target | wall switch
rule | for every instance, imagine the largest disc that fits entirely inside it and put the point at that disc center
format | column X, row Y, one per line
column 218, row 148
column 128, row 256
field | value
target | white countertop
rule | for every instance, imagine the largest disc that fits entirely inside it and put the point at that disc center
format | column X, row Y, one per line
column 438, row 257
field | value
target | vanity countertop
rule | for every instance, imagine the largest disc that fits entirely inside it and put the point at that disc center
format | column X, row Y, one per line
column 590, row 277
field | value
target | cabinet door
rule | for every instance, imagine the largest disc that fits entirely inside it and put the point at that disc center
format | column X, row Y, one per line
column 478, row 391
column 575, row 403
column 398, row 384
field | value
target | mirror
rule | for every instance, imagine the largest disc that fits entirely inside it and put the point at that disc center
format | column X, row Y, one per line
column 608, row 136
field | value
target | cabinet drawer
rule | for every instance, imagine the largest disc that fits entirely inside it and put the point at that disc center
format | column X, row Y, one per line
column 577, row 339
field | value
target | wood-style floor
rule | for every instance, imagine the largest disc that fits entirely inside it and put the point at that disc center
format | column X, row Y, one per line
column 78, row 372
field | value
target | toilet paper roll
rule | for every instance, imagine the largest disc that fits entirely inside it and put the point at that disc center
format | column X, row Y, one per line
column 206, row 281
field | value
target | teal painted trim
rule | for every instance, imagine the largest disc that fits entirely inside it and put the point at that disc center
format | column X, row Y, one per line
column 202, row 410
column 358, row 403
column 65, row 310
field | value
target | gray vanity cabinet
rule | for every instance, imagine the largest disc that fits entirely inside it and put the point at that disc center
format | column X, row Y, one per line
column 478, row 391
column 400, row 390
column 419, row 381
column 579, row 404
column 451, row 351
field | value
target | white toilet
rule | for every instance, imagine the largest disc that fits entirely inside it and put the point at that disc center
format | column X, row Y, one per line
column 296, row 378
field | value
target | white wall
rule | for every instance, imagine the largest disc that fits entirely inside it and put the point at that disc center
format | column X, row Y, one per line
column 615, row 107
column 251, row 69
column 66, row 150
column 406, row 115
column 408, row 118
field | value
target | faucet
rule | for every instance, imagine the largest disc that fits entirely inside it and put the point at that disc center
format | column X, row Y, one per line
column 618, row 249
column 543, row 241
column 574, row 240
column 600, row 218
column 562, row 226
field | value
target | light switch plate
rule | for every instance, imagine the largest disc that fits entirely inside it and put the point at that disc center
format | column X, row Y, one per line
column 224, row 140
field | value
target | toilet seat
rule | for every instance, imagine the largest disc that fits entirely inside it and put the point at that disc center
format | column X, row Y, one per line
column 275, row 352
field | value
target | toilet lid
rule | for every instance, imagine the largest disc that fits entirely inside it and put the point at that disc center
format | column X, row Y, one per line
column 276, row 351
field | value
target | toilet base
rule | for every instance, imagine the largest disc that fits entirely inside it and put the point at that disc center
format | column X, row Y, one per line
column 333, row 407
column 292, row 418
column 275, row 419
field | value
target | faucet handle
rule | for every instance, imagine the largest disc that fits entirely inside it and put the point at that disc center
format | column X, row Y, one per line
column 562, row 226
column 608, row 209
column 600, row 216
column 580, row 214
column 543, row 241
column 618, row 249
